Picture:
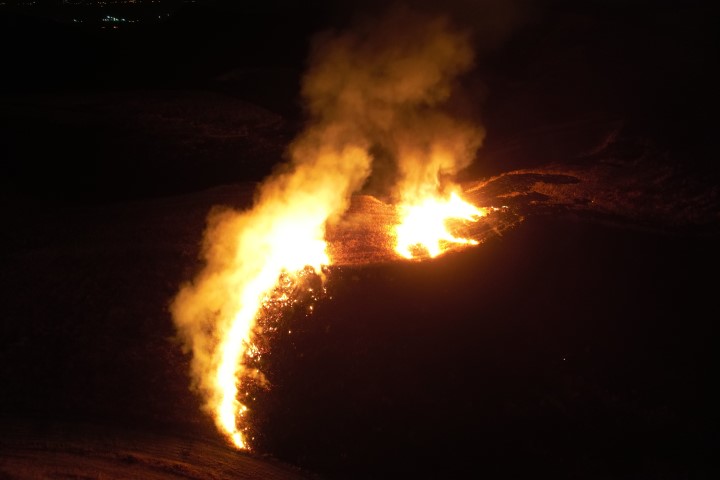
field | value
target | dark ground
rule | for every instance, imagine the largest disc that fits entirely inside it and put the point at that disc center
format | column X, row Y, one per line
column 580, row 344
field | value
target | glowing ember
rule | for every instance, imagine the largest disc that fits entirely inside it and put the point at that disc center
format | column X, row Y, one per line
column 423, row 225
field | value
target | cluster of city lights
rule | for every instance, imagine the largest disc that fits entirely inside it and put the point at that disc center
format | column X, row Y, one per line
column 110, row 18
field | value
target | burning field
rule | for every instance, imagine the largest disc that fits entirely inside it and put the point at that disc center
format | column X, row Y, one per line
column 375, row 93
column 379, row 303
column 526, row 338
column 380, row 87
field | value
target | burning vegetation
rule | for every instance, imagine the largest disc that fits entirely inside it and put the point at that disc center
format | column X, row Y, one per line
column 374, row 92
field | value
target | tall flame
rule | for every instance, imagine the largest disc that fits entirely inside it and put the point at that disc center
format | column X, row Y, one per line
column 291, row 244
column 246, row 253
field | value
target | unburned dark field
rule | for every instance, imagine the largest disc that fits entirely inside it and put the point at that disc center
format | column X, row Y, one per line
column 579, row 342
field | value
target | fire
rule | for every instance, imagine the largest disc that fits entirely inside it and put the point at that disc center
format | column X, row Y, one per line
column 290, row 250
column 375, row 90
column 424, row 225
column 254, row 259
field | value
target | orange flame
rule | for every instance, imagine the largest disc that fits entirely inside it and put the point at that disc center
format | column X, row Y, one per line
column 249, row 257
column 289, row 252
column 424, row 225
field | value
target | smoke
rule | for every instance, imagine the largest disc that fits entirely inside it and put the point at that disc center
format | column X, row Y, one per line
column 375, row 91
column 386, row 80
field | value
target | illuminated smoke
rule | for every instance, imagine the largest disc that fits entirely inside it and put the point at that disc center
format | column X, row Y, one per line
column 389, row 79
column 377, row 88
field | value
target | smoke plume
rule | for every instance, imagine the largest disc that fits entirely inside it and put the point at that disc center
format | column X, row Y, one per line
column 386, row 81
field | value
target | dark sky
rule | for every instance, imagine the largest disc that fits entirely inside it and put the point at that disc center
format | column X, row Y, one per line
column 540, row 63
